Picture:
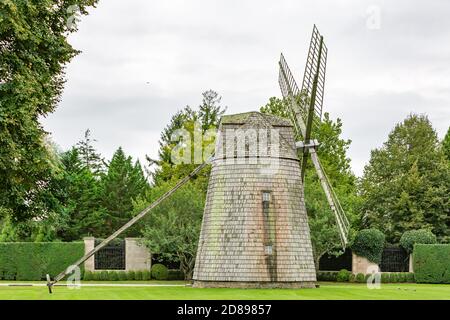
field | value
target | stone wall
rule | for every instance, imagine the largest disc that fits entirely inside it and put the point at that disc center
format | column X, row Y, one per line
column 362, row 265
column 137, row 256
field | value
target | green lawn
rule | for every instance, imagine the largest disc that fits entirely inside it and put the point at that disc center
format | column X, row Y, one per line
column 327, row 290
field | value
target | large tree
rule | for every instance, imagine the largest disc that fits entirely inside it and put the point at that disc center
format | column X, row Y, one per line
column 33, row 52
column 446, row 145
column 406, row 184
column 333, row 155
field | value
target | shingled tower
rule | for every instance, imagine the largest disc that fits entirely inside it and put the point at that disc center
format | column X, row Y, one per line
column 255, row 229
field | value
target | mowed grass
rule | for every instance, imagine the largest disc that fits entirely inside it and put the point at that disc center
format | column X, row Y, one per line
column 327, row 290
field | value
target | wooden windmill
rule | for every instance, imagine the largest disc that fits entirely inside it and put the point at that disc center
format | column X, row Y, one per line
column 305, row 106
column 238, row 251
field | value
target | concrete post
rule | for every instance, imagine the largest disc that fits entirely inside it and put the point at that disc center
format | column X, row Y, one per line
column 89, row 244
column 411, row 263
column 362, row 265
column 137, row 256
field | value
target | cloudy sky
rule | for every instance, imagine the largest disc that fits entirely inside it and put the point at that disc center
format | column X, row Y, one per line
column 143, row 60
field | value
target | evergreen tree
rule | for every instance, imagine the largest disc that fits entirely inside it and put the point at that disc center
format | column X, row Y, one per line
column 446, row 145
column 88, row 154
column 406, row 184
column 121, row 185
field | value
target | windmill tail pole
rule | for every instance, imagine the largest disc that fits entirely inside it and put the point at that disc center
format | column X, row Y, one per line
column 126, row 226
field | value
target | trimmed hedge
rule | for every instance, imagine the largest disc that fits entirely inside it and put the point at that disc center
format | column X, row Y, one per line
column 344, row 276
column 432, row 263
column 412, row 237
column 28, row 261
column 369, row 243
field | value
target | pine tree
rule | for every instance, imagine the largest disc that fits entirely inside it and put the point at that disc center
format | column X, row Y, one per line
column 88, row 154
column 123, row 183
column 446, row 145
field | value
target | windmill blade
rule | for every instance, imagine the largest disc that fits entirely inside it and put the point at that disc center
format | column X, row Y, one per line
column 333, row 201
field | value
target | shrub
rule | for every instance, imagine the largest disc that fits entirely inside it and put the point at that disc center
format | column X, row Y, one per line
column 113, row 276
column 159, row 272
column 175, row 274
column 87, row 276
column 352, row 277
column 432, row 263
column 343, row 275
column 410, row 277
column 412, row 237
column 131, row 275
column 385, row 277
column 138, row 275
column 122, row 275
column 360, row 278
column 33, row 260
column 369, row 243
column 393, row 277
column 104, row 276
column 146, row 275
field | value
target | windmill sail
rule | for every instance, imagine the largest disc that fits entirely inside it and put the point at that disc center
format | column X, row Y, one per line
column 306, row 109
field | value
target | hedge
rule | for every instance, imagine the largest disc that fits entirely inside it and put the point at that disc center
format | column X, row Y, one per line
column 432, row 263
column 369, row 243
column 344, row 276
column 114, row 275
column 412, row 237
column 28, row 261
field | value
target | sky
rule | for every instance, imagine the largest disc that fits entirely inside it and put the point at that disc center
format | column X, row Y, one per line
column 143, row 60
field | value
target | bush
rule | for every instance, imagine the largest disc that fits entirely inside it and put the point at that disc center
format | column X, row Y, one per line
column 138, row 275
column 113, row 276
column 385, row 277
column 159, row 272
column 412, row 237
column 432, row 263
column 146, row 275
column 327, row 275
column 343, row 275
column 175, row 274
column 352, row 277
column 369, row 243
column 87, row 276
column 360, row 278
column 394, row 278
column 122, row 276
column 410, row 277
column 33, row 260
column 131, row 275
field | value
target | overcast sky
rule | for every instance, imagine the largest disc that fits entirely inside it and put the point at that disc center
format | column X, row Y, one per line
column 143, row 60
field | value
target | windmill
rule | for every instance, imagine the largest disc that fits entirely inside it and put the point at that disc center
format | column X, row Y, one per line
column 305, row 107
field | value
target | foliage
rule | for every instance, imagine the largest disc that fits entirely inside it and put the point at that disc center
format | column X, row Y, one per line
column 446, row 144
column 121, row 185
column 333, row 156
column 432, row 263
column 360, row 278
column 159, row 272
column 173, row 228
column 90, row 158
column 32, row 261
column 326, row 275
column 369, row 243
column 175, row 275
column 406, row 184
column 412, row 237
column 343, row 275
column 385, row 277
column 33, row 53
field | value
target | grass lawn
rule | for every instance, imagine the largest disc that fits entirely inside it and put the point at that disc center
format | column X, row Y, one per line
column 327, row 290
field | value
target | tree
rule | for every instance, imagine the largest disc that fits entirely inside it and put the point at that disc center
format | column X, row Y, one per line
column 406, row 183
column 123, row 183
column 333, row 156
column 90, row 158
column 172, row 229
column 446, row 145
column 33, row 52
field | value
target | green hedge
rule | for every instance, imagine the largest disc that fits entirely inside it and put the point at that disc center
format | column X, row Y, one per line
column 143, row 275
column 412, row 237
column 346, row 276
column 369, row 243
column 432, row 263
column 33, row 260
